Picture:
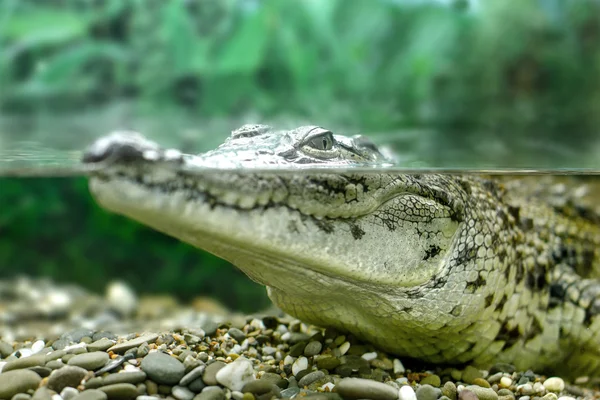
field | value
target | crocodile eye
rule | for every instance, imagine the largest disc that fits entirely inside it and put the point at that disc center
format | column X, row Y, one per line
column 323, row 142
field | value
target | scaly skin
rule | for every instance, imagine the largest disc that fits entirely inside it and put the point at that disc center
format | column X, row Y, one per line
column 444, row 268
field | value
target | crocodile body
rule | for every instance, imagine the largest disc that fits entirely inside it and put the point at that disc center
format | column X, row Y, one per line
column 444, row 268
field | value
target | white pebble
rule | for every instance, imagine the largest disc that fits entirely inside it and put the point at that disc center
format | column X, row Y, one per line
column 398, row 367
column 68, row 393
column 57, row 301
column 505, row 382
column 525, row 389
column 236, row 374
column 328, row 387
column 288, row 360
column 554, row 384
column 56, row 397
column 407, row 393
column 299, row 365
column 24, row 353
column 236, row 349
column 344, row 348
column 369, row 356
column 286, row 336
column 75, row 346
column 121, row 298
column 37, row 346
column 130, row 367
column 2, row 364
column 538, row 388
column 257, row 323
column 402, row 381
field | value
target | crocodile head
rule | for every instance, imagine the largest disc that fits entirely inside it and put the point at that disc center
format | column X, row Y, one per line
column 337, row 242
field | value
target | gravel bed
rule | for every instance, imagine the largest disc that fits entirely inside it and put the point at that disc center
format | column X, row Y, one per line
column 248, row 358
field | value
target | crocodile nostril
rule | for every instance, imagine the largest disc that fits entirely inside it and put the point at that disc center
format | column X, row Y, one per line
column 121, row 147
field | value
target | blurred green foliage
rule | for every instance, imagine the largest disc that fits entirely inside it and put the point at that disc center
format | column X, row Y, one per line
column 472, row 75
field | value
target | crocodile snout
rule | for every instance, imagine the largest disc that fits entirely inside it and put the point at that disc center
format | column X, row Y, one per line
column 122, row 147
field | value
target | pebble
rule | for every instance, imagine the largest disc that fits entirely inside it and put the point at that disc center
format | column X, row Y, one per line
column 432, row 380
column 466, row 394
column 121, row 298
column 120, row 391
column 76, row 335
column 449, row 390
column 328, row 362
column 68, row 375
column 358, row 388
column 19, row 381
column 554, row 384
column 102, row 344
column 6, row 349
column 197, row 385
column 112, row 364
column 261, row 387
column 550, row 396
column 525, row 389
column 130, row 344
column 21, row 396
column 312, row 348
column 290, row 392
column 310, row 378
column 481, row 382
column 42, row 393
column 91, row 394
column 90, row 361
column 192, row 375
column 483, row 393
column 407, row 393
column 428, row 392
column 68, row 393
column 237, row 334
column 299, row 365
column 398, row 367
column 236, row 374
column 162, row 368
column 133, row 377
column 211, row 393
column 566, row 398
column 25, row 362
column 471, row 373
column 182, row 393
column 210, row 372
column 37, row 346
column 505, row 382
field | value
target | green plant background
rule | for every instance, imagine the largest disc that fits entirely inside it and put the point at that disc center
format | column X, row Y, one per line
column 444, row 82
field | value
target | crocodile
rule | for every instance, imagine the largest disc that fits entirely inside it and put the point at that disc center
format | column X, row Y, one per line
column 445, row 268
